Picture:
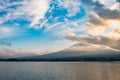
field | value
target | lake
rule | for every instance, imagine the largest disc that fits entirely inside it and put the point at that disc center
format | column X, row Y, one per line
column 59, row 70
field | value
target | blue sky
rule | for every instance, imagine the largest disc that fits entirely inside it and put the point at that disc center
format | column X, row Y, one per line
column 44, row 26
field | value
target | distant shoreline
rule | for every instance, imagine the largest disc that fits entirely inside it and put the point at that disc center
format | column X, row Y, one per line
column 58, row 60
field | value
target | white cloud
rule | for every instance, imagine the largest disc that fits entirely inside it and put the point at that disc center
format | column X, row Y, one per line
column 36, row 9
column 28, row 10
column 6, row 31
column 116, row 6
column 32, row 10
column 72, row 6
column 102, row 25
column 107, row 3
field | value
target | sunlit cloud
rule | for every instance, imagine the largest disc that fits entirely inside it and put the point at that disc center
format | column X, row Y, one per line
column 102, row 25
column 88, row 47
column 11, row 53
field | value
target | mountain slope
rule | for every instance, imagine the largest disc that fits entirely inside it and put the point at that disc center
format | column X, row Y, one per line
column 79, row 52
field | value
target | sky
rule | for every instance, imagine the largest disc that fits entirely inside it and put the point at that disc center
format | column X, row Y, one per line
column 29, row 27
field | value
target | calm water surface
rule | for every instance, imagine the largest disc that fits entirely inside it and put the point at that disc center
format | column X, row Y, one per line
column 59, row 70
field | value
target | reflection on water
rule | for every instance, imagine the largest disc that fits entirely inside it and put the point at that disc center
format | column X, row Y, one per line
column 59, row 70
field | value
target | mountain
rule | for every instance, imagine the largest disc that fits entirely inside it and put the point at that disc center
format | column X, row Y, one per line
column 79, row 52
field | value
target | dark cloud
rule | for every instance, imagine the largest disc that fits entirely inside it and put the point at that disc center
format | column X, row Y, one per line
column 107, row 13
column 98, row 40
column 5, row 43
column 118, row 0
column 101, row 10
column 95, row 20
column 91, row 3
column 103, row 40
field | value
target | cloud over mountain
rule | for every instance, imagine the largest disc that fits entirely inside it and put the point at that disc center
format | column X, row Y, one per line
column 102, row 25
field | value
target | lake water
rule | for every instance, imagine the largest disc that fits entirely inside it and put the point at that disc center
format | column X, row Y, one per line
column 59, row 70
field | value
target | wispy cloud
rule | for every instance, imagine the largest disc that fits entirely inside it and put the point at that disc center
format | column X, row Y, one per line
column 32, row 10
column 64, row 17
column 5, row 43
